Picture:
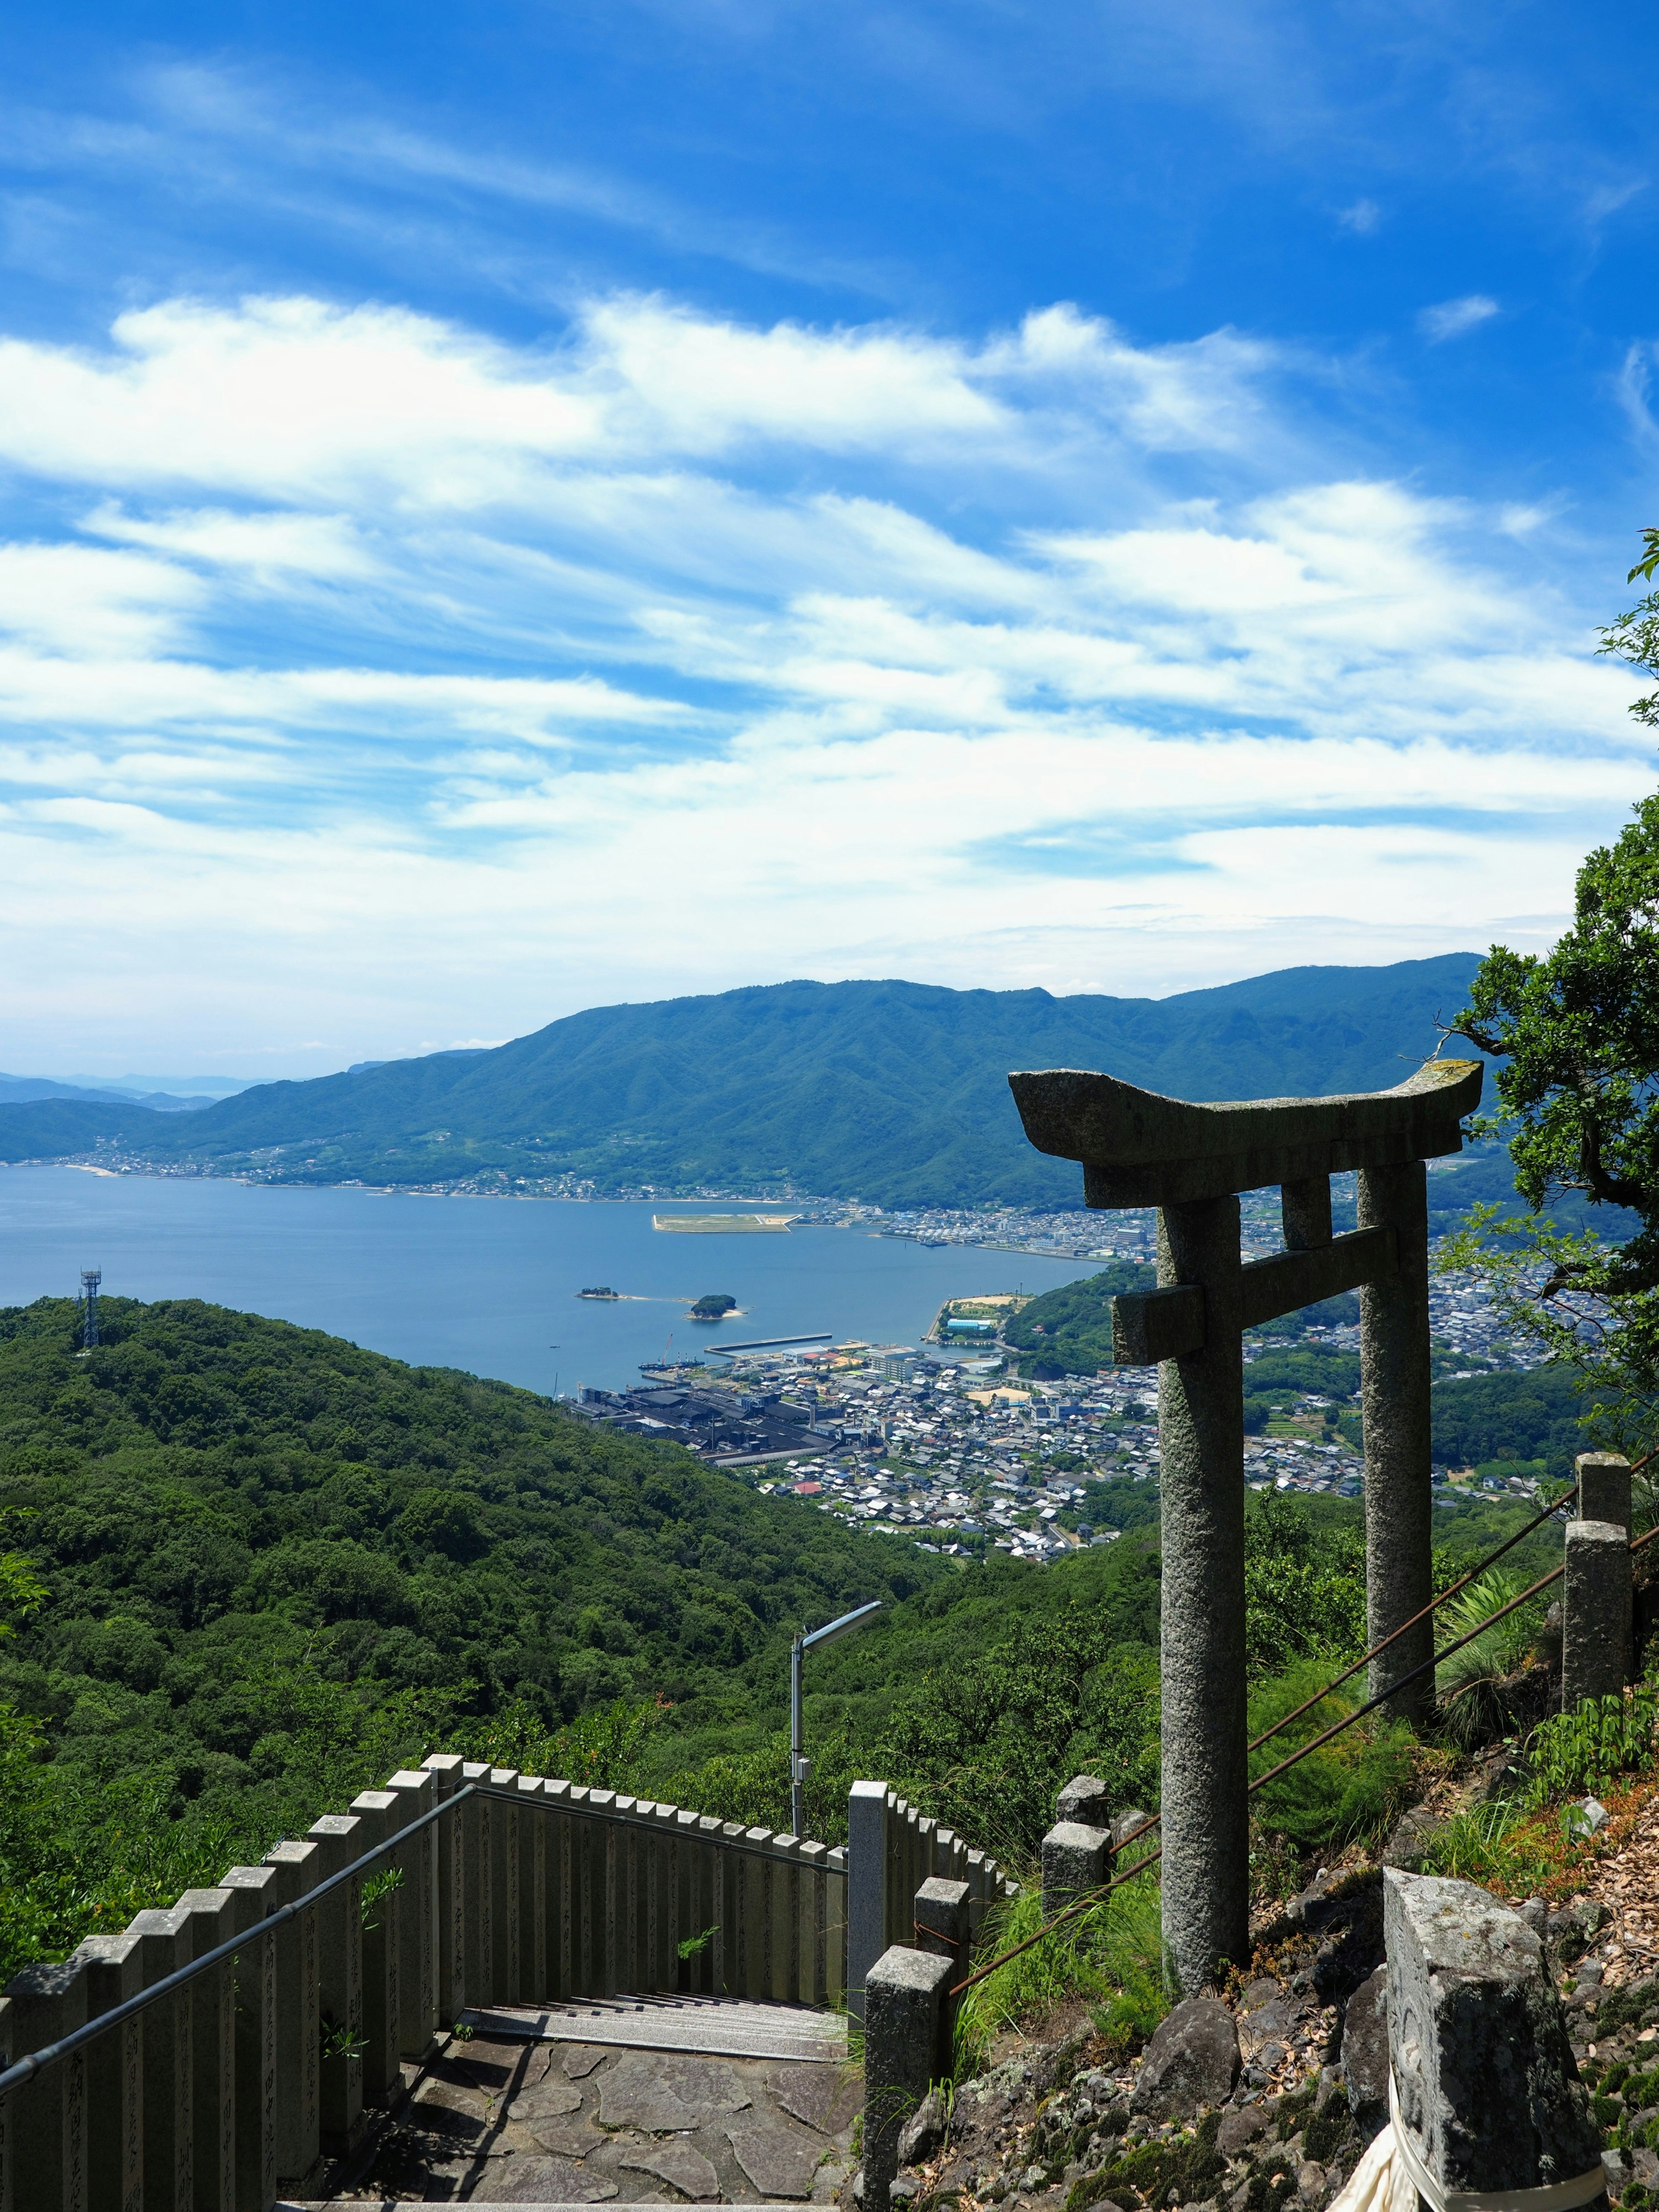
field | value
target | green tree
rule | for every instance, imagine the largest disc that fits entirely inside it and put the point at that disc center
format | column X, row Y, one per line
column 1577, row 1032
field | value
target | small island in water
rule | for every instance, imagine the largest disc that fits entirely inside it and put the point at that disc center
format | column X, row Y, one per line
column 605, row 1292
column 714, row 1305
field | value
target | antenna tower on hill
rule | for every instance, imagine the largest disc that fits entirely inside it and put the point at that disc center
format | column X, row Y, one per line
column 90, row 1278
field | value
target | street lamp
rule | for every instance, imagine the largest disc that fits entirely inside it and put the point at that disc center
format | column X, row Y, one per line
column 799, row 1767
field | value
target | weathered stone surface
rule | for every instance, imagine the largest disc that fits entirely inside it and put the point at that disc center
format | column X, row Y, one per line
column 534, row 2181
column 1365, row 2053
column 1478, row 2043
column 1268, row 2023
column 924, row 2131
column 581, row 2059
column 666, row 2092
column 778, row 2165
column 1595, row 1619
column 1126, row 1826
column 679, row 2166
column 904, row 2054
column 1192, row 2060
column 1085, row 1799
column 545, row 2101
column 1240, row 2127
column 1074, row 1861
column 825, row 2097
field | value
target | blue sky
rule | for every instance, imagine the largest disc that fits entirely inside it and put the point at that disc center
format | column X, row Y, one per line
column 508, row 509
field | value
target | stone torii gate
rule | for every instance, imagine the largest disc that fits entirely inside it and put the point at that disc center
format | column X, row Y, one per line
column 1191, row 1162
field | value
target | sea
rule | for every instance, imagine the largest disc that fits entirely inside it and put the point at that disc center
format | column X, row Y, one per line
column 490, row 1284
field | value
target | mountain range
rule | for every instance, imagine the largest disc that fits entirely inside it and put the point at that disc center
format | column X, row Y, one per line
column 891, row 1091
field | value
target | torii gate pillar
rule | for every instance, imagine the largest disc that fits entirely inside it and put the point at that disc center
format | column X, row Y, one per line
column 1191, row 1162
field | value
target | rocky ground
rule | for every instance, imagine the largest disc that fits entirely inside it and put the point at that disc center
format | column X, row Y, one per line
column 516, row 2123
column 1265, row 2098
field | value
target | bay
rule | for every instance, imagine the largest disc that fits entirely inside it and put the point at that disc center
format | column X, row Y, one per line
column 485, row 1284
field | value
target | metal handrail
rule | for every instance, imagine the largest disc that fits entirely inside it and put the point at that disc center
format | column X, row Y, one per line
column 25, row 2069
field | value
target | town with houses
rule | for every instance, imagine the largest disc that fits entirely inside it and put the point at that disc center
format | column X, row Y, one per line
column 947, row 1443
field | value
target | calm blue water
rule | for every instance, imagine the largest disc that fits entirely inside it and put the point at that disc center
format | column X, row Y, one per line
column 481, row 1283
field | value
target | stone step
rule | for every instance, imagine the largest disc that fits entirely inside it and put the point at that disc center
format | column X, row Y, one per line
column 720, row 2027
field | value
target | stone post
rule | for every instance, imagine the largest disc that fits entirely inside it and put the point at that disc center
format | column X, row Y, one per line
column 532, row 1983
column 866, row 1888
column 1201, row 1420
column 115, row 2073
column 417, row 1988
column 903, row 2034
column 299, row 2121
column 1394, row 1382
column 376, row 1810
column 449, row 1950
column 477, row 1819
column 165, row 1944
column 942, row 1922
column 1603, row 1488
column 47, row 2119
column 502, row 1875
column 340, row 1839
column 1085, row 1799
column 1075, row 1860
column 260, row 1890
column 1595, row 1612
column 214, row 1916
column 1490, row 2098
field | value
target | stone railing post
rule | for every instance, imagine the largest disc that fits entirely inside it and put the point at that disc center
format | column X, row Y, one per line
column 299, row 2121
column 1394, row 1382
column 414, row 1861
column 213, row 1916
column 449, row 1947
column 835, row 1927
column 46, row 2121
column 339, row 1838
column 1595, row 1612
column 1603, row 1487
column 942, row 1922
column 531, row 1968
column 1489, row 2096
column 1075, row 1860
column 1086, row 1800
column 115, row 2073
column 903, row 2034
column 502, row 1875
column 1201, row 1422
column 376, row 1810
column 259, row 1890
column 477, row 1818
column 165, row 1945
column 867, row 1886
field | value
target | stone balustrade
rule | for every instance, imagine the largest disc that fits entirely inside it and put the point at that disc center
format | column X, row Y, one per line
column 336, row 1965
column 893, row 1849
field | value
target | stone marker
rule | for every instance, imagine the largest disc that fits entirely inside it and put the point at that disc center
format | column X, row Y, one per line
column 1192, row 2061
column 903, row 2022
column 1085, row 1799
column 1191, row 1162
column 1075, row 1860
column 1490, row 2099
column 1595, row 1612
column 1603, row 1487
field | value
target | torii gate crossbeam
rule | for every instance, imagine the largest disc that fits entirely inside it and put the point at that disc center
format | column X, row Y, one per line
column 1191, row 1162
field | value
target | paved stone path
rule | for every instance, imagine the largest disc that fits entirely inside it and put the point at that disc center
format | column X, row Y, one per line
column 539, row 2123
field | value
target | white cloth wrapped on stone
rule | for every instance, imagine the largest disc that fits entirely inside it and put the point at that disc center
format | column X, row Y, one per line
column 1391, row 2177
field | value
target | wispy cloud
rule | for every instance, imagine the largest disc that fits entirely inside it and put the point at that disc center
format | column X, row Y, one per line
column 1364, row 218
column 675, row 645
column 1455, row 318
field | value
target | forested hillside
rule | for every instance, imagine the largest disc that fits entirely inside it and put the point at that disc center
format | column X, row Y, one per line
column 891, row 1092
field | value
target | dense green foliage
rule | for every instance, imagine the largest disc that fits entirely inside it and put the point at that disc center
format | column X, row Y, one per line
column 249, row 1569
column 1514, row 1416
column 1068, row 1331
column 891, row 1092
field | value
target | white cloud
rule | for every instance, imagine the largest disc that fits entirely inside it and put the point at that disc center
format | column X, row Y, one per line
column 407, row 684
column 1364, row 218
column 1455, row 318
